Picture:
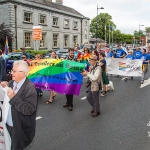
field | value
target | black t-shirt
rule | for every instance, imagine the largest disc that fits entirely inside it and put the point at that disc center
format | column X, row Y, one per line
column 104, row 64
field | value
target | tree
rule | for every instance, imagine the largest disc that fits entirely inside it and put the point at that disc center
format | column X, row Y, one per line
column 98, row 24
column 3, row 33
column 147, row 30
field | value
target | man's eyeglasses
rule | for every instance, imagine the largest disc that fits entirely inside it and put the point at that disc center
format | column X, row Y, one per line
column 23, row 57
column 13, row 71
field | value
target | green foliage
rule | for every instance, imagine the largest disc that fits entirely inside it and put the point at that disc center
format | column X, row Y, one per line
column 147, row 29
column 101, row 23
column 34, row 52
column 4, row 31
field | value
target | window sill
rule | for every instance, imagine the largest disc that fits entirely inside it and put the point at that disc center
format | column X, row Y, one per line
column 42, row 48
column 42, row 24
column 27, row 22
column 55, row 26
column 66, row 28
column 75, row 29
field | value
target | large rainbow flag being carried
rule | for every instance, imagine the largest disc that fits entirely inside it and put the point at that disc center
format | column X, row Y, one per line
column 62, row 76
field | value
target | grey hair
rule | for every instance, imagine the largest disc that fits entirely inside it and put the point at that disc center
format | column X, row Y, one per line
column 23, row 66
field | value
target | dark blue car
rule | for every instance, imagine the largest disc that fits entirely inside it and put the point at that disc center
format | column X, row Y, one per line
column 14, row 56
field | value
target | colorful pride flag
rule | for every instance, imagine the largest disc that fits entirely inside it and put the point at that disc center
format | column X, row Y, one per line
column 62, row 76
column 6, row 46
column 122, row 66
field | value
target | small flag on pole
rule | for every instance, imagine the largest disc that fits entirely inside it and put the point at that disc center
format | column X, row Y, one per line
column 6, row 46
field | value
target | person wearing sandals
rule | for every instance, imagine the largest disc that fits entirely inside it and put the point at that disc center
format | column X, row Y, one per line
column 104, row 76
column 52, row 92
column 38, row 90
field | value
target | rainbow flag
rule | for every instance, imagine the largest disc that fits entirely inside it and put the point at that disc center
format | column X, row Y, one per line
column 62, row 76
column 6, row 46
column 122, row 66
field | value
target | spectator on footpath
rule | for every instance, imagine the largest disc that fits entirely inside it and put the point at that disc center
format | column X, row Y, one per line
column 22, row 107
column 52, row 92
column 2, row 67
column 24, row 53
column 69, row 97
column 93, row 85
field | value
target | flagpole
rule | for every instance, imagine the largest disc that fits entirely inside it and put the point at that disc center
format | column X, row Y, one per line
column 109, row 34
column 105, row 32
column 112, row 37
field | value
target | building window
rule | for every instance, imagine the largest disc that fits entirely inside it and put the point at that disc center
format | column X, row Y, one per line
column 66, row 23
column 42, row 42
column 55, row 21
column 27, row 39
column 75, row 25
column 66, row 38
column 75, row 40
column 85, row 33
column 42, row 19
column 55, row 40
column 27, row 16
column 85, row 23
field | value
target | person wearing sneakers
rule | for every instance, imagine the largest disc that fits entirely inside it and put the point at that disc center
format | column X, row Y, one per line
column 93, row 85
column 69, row 102
column 104, row 76
column 145, row 58
column 129, row 56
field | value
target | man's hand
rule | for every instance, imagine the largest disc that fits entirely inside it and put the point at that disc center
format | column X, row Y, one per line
column 10, row 93
column 84, row 73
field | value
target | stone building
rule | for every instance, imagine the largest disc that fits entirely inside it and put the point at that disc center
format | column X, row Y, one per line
column 62, row 27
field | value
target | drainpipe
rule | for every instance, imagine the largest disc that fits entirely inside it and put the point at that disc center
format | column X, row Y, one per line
column 81, row 32
column 15, row 6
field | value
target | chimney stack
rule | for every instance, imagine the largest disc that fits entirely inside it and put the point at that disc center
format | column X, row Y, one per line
column 59, row 2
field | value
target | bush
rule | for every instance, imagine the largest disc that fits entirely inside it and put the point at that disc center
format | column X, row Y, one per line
column 41, row 52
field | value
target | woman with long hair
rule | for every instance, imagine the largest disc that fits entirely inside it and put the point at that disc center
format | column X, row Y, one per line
column 85, row 57
column 52, row 92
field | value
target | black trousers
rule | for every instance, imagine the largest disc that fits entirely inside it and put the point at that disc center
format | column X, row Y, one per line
column 11, row 133
column 69, row 100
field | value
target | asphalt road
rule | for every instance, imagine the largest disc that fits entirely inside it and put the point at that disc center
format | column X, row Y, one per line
column 122, row 125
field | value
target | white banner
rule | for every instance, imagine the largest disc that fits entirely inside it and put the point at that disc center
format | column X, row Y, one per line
column 5, row 140
column 125, row 67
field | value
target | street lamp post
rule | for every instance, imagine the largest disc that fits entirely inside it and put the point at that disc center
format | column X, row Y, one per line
column 139, row 26
column 97, row 21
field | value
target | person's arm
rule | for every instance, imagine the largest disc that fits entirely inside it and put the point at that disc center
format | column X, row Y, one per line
column 25, row 105
column 95, row 76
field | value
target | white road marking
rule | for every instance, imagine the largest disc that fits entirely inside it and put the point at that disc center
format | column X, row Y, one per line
column 83, row 98
column 37, row 118
column 146, row 82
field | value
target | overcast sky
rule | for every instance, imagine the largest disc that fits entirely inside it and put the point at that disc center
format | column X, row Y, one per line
column 126, row 14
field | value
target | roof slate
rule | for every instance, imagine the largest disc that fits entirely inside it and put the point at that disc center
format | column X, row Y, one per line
column 57, row 6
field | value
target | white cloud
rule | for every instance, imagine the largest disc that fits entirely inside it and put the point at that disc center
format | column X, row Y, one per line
column 126, row 14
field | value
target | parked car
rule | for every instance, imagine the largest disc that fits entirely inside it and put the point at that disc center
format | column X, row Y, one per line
column 61, row 53
column 15, row 56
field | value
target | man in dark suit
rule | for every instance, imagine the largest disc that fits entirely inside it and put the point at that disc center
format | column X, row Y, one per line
column 23, row 105
column 2, row 68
